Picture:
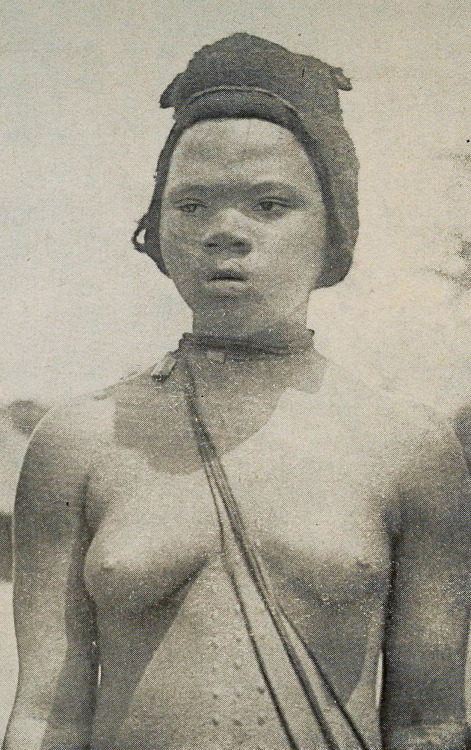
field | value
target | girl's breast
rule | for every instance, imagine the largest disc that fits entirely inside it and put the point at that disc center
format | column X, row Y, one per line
column 152, row 537
column 314, row 513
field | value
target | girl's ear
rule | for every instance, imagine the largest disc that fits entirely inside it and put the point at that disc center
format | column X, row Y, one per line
column 138, row 238
column 146, row 240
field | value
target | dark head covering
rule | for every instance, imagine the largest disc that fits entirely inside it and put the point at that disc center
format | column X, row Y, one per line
column 245, row 76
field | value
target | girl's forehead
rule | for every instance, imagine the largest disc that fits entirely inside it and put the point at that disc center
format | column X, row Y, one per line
column 231, row 145
column 243, row 132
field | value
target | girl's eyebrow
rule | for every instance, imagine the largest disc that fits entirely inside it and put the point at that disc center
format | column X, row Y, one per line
column 275, row 186
column 183, row 190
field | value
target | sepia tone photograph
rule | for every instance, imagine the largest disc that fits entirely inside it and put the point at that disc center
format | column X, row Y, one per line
column 235, row 375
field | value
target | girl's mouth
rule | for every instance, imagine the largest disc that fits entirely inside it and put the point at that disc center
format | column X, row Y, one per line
column 227, row 275
column 228, row 282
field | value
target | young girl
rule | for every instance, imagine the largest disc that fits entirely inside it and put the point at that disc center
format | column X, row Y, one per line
column 214, row 553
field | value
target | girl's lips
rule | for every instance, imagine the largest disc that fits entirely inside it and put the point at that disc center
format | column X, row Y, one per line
column 223, row 275
column 227, row 282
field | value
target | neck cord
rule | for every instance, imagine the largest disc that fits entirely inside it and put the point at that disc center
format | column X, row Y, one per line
column 241, row 346
column 219, row 484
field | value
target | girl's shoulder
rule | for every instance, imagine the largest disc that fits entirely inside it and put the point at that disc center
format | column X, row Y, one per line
column 413, row 444
column 83, row 418
column 86, row 421
column 390, row 417
column 379, row 403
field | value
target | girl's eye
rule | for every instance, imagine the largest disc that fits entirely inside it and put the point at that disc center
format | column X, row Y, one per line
column 269, row 206
column 189, row 208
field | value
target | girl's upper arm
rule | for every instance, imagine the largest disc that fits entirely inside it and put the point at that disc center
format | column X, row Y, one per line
column 54, row 618
column 428, row 616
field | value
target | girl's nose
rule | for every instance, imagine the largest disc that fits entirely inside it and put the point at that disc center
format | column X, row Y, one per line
column 224, row 241
column 227, row 233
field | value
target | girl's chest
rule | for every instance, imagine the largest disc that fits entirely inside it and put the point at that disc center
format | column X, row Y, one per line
column 315, row 510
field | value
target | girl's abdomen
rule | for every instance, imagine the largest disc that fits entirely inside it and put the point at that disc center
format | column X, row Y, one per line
column 200, row 690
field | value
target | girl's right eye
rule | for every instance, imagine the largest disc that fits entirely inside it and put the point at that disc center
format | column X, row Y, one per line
column 189, row 208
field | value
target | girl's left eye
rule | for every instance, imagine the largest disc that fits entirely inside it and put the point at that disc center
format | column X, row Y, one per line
column 270, row 205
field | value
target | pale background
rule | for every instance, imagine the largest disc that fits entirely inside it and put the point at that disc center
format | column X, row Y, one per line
column 81, row 133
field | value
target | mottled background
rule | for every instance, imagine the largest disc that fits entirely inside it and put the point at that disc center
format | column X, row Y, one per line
column 81, row 130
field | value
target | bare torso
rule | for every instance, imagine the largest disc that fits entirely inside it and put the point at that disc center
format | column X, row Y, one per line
column 313, row 459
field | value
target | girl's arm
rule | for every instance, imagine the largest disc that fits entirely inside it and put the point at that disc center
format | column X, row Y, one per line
column 53, row 615
column 423, row 703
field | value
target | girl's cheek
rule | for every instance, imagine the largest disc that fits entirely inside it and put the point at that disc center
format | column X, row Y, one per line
column 180, row 232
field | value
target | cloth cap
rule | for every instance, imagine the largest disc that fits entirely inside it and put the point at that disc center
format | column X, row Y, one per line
column 246, row 76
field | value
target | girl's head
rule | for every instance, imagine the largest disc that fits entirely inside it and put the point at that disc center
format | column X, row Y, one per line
column 257, row 166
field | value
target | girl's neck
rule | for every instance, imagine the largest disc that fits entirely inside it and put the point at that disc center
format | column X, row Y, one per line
column 279, row 334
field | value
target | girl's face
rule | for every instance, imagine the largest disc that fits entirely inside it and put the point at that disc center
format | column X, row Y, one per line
column 243, row 223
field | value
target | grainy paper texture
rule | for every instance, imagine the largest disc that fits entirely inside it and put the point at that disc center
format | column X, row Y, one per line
column 80, row 309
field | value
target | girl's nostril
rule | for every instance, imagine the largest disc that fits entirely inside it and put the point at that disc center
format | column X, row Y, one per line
column 225, row 242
